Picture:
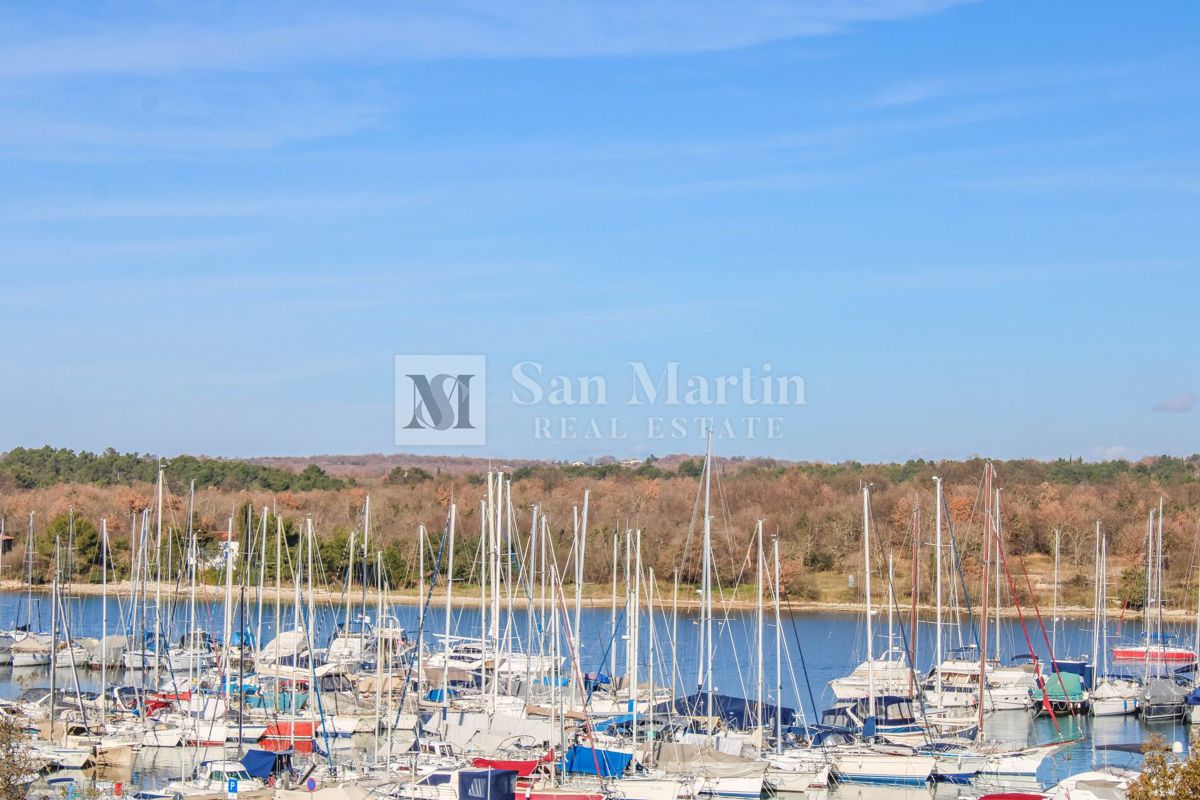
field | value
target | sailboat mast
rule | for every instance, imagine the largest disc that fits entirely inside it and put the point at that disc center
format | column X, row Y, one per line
column 1148, row 605
column 103, row 616
column 581, row 549
column 937, row 568
column 997, row 533
column 708, row 632
column 1054, row 611
column 912, row 615
column 54, row 639
column 674, row 631
column 1104, row 599
column 262, row 567
column 986, row 555
column 891, row 595
column 650, row 626
column 420, row 600
column 379, row 646
column 1099, row 600
column 449, row 604
column 758, row 637
column 29, row 575
column 1159, row 567
column 612, row 618
column 866, row 493
column 227, row 631
column 158, row 579
column 635, row 644
column 778, row 593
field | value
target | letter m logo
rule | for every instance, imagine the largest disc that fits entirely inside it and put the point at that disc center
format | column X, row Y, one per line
column 441, row 400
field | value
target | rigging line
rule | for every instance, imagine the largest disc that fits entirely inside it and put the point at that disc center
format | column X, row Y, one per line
column 1017, row 603
column 437, row 566
column 800, row 649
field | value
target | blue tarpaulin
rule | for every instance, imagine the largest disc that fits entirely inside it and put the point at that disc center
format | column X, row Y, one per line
column 734, row 711
column 486, row 784
column 586, row 761
column 261, row 763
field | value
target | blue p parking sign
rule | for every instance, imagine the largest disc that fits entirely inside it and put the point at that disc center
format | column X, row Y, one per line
column 232, row 790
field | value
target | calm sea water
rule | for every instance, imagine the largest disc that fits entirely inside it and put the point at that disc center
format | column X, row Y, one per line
column 817, row 647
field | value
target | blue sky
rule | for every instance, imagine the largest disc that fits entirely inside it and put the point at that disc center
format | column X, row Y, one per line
column 970, row 227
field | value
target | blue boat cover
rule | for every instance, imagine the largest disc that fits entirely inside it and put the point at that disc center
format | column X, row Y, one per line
column 261, row 763
column 595, row 761
column 736, row 712
column 486, row 784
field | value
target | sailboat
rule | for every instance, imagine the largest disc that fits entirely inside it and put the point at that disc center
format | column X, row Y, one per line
column 1111, row 695
column 867, row 760
column 1157, row 647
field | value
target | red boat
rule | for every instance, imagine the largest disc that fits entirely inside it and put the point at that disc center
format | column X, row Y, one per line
column 524, row 767
column 282, row 735
column 1155, row 653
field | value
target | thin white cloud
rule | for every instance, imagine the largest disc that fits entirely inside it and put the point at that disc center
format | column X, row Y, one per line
column 1179, row 404
column 559, row 29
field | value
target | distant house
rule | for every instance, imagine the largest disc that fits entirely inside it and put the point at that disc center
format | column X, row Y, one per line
column 6, row 543
column 230, row 546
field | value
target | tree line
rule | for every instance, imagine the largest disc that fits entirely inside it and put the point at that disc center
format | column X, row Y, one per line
column 43, row 467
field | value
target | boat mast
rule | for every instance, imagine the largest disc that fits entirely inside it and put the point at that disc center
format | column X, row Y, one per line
column 1159, row 567
column 362, row 627
column 349, row 584
column 708, row 633
column 262, row 567
column 420, row 602
column 580, row 550
column 158, row 579
column 937, row 568
column 778, row 653
column 54, row 639
column 379, row 646
column 635, row 644
column 29, row 575
column 1099, row 601
column 650, row 655
column 1054, row 611
column 612, row 618
column 485, row 541
column 891, row 596
column 103, row 616
column 227, row 630
column 912, row 616
column 674, row 631
column 278, row 575
column 997, row 533
column 1148, row 605
column 866, row 494
column 1104, row 599
column 496, row 523
column 986, row 555
column 449, row 604
column 758, row 622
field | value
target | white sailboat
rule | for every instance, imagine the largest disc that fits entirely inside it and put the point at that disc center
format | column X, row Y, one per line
column 1111, row 695
column 869, row 761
